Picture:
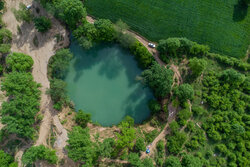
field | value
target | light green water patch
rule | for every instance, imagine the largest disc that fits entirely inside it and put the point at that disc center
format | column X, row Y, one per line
column 103, row 82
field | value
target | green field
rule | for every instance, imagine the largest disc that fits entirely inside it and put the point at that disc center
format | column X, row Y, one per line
column 224, row 25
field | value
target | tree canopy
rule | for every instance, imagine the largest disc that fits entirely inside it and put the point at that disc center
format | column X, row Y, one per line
column 159, row 79
column 70, row 11
column 184, row 92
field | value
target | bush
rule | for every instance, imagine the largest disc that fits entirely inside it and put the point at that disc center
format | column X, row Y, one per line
column 183, row 115
column 82, row 118
column 35, row 153
column 151, row 136
column 6, row 160
column 19, row 62
column 42, row 24
column 172, row 161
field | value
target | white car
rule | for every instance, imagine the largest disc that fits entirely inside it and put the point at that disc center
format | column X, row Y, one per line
column 151, row 45
column 28, row 7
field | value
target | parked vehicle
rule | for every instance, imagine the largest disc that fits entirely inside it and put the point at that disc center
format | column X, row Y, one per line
column 151, row 45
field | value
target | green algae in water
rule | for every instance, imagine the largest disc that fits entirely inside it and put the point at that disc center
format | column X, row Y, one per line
column 102, row 81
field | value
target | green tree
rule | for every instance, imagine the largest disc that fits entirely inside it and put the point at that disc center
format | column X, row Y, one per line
column 1, row 5
column 169, row 46
column 197, row 66
column 191, row 161
column 159, row 79
column 18, row 114
column 175, row 142
column 80, row 148
column 35, row 153
column 23, row 14
column 42, row 24
column 147, row 162
column 58, row 64
column 126, row 138
column 82, row 118
column 70, row 11
column 134, row 160
column 107, row 147
column 232, row 77
column 5, row 36
column 154, row 106
column 105, row 30
column 199, row 50
column 4, row 49
column 20, row 83
column 142, row 55
column 184, row 92
column 140, row 144
column 173, row 161
column 19, row 62
column 6, row 160
column 58, row 92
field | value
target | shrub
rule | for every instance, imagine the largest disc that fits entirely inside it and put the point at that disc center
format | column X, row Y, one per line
column 198, row 110
column 19, row 62
column 42, row 24
column 82, row 118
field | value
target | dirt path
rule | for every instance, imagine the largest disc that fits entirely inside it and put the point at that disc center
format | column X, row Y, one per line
column 23, row 42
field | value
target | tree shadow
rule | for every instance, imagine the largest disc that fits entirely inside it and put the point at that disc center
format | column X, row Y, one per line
column 240, row 11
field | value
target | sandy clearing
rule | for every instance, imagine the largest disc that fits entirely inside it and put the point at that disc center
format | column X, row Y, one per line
column 46, row 48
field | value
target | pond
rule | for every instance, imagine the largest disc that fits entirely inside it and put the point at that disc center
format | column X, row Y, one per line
column 103, row 81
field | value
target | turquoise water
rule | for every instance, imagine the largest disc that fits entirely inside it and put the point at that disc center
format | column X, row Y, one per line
column 102, row 81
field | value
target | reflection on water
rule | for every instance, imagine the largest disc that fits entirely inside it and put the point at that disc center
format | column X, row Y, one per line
column 102, row 81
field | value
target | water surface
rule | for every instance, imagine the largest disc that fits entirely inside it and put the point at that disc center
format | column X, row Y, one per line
column 103, row 82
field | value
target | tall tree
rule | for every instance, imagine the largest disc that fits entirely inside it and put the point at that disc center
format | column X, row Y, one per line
column 159, row 79
column 105, row 30
column 184, row 92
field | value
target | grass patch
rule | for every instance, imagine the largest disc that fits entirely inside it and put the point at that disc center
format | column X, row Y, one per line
column 223, row 25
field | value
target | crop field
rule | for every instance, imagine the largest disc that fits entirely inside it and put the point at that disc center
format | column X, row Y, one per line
column 224, row 25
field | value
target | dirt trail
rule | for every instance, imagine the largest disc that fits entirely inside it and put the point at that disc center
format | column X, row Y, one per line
column 24, row 42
